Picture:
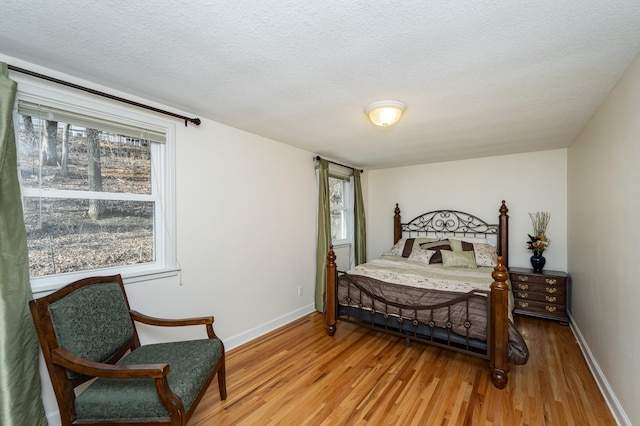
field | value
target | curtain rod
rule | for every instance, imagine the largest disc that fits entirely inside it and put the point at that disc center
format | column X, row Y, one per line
column 318, row 158
column 195, row 121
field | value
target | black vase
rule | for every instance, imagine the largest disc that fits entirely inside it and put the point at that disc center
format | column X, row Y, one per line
column 537, row 262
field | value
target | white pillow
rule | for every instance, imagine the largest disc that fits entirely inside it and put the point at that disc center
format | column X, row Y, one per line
column 397, row 249
column 486, row 254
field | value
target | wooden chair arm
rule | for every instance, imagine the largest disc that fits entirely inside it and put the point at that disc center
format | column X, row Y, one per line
column 158, row 372
column 87, row 367
column 163, row 322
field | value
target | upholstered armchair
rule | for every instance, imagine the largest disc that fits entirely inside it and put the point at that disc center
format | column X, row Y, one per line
column 87, row 331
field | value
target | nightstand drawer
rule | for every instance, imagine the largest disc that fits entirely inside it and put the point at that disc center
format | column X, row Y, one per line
column 546, row 309
column 556, row 298
column 542, row 289
column 537, row 279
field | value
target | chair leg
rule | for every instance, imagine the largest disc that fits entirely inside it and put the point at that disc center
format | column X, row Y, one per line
column 222, row 381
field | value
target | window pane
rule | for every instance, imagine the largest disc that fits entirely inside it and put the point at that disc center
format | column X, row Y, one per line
column 336, row 193
column 57, row 155
column 62, row 237
column 338, row 225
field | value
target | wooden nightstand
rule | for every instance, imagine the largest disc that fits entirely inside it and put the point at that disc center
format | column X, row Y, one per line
column 540, row 295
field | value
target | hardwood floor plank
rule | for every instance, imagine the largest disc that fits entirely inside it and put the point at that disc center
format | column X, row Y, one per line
column 299, row 375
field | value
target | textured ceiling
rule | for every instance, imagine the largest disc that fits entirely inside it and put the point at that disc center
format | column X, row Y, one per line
column 480, row 78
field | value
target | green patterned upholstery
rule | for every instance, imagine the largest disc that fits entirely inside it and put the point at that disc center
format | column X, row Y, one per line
column 91, row 319
column 93, row 322
column 190, row 364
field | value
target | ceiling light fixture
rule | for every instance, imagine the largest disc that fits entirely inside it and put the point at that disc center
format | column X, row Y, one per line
column 385, row 113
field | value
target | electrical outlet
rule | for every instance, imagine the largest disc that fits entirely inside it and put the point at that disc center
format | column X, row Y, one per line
column 299, row 290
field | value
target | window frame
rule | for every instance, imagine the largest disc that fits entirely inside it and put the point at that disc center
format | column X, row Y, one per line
column 348, row 209
column 163, row 171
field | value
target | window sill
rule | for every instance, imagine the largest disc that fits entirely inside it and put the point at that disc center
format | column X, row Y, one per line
column 341, row 244
column 43, row 285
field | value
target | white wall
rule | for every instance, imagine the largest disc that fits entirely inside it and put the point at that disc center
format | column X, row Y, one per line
column 603, row 236
column 528, row 182
column 246, row 232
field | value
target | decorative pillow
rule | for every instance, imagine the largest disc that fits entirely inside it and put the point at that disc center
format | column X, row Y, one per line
column 416, row 244
column 408, row 247
column 486, row 254
column 421, row 255
column 436, row 246
column 404, row 246
column 396, row 250
column 460, row 245
column 459, row 259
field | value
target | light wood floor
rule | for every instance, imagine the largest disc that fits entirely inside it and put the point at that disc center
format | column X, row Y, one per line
column 297, row 375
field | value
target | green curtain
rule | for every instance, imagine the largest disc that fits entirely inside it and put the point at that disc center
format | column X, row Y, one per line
column 20, row 398
column 359, row 224
column 324, row 233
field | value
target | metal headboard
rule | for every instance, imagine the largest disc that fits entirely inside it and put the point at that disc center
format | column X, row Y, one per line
column 455, row 223
column 449, row 222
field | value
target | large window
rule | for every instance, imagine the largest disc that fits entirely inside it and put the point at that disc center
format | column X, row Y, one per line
column 341, row 211
column 96, row 193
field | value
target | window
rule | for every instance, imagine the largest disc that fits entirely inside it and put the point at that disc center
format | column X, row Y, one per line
column 97, row 192
column 341, row 211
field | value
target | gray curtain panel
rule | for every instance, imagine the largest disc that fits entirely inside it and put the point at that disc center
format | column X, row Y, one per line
column 20, row 399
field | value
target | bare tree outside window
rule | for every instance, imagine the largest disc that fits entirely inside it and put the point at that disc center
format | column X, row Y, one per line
column 49, row 153
column 64, row 162
column 30, row 133
column 96, row 207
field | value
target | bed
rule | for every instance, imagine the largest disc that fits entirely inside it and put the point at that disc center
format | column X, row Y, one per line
column 444, row 283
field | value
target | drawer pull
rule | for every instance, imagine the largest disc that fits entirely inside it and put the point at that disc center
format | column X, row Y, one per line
column 550, row 281
column 523, row 295
column 523, row 286
column 550, row 308
column 523, row 278
column 551, row 289
column 523, row 304
column 550, row 298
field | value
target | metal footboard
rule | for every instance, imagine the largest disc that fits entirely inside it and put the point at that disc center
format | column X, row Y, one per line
column 431, row 324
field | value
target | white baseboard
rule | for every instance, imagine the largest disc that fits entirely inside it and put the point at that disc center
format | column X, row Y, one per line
column 617, row 411
column 247, row 336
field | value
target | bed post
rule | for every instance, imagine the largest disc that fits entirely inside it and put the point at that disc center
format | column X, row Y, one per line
column 503, row 234
column 330, row 291
column 397, row 226
column 499, row 338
